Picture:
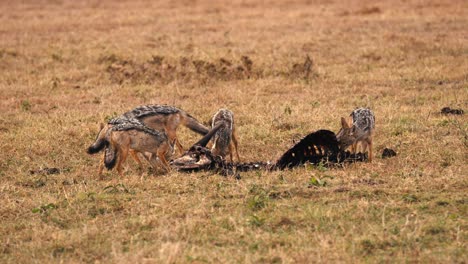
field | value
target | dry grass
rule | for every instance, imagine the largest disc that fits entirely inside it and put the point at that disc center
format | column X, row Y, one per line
column 67, row 65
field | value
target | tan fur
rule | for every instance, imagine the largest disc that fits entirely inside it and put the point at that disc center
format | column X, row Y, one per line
column 138, row 141
column 365, row 142
column 353, row 136
column 133, row 153
column 169, row 124
column 225, row 139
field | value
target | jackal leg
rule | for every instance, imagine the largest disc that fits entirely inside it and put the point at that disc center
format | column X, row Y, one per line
column 162, row 158
column 230, row 151
column 148, row 157
column 171, row 134
column 134, row 155
column 364, row 145
column 235, row 142
column 179, row 146
column 121, row 159
column 369, row 142
column 354, row 148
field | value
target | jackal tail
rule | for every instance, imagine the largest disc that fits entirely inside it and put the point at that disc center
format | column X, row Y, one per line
column 193, row 124
column 97, row 146
column 101, row 141
column 110, row 158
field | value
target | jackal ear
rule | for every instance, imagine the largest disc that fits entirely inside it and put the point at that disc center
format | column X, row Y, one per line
column 344, row 123
column 101, row 126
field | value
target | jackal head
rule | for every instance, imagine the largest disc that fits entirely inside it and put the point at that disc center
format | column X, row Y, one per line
column 346, row 135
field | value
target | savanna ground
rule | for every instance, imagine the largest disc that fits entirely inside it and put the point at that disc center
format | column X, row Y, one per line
column 66, row 66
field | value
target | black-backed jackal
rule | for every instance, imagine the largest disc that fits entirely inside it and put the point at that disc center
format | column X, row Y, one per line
column 158, row 117
column 225, row 138
column 131, row 134
column 360, row 129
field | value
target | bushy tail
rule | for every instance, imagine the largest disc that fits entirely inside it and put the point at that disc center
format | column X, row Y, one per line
column 100, row 143
column 97, row 146
column 194, row 125
column 110, row 158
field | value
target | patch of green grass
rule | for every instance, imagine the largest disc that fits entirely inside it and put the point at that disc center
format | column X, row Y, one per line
column 256, row 220
column 44, row 209
column 410, row 198
column 25, row 105
column 258, row 199
column 318, row 182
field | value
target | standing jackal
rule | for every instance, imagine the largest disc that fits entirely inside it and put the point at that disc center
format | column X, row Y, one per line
column 129, row 135
column 361, row 129
column 225, row 138
column 102, row 141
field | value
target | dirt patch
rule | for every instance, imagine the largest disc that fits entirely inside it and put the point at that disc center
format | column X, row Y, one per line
column 388, row 153
column 285, row 221
column 369, row 11
column 160, row 69
column 341, row 189
column 362, row 12
column 368, row 181
column 450, row 111
column 371, row 56
column 45, row 171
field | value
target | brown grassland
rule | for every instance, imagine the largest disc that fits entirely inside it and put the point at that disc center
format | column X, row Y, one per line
column 66, row 66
